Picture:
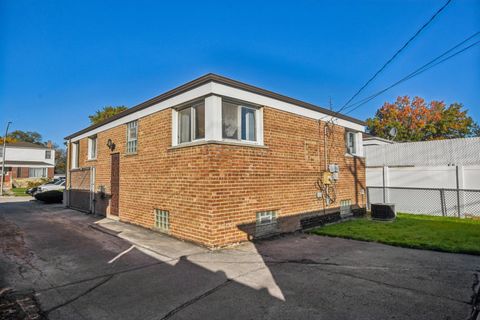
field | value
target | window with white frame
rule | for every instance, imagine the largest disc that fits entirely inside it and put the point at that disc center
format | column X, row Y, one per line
column 92, row 148
column 132, row 136
column 1, row 152
column 48, row 154
column 162, row 220
column 351, row 142
column 191, row 123
column 37, row 172
column 266, row 217
column 238, row 122
column 74, row 155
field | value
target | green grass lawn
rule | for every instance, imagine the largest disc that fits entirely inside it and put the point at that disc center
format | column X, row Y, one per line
column 413, row 231
column 20, row 192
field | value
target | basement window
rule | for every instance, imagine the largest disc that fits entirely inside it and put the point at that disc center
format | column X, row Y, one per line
column 162, row 220
column 345, row 207
column 266, row 217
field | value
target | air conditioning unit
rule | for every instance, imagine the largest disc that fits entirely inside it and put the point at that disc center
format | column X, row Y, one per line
column 383, row 211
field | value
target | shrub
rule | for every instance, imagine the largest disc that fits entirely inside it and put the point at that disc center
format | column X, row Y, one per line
column 36, row 183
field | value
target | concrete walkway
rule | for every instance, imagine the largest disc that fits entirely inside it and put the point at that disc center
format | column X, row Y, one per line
column 159, row 246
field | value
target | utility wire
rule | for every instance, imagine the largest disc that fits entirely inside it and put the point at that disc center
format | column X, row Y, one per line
column 394, row 56
column 420, row 70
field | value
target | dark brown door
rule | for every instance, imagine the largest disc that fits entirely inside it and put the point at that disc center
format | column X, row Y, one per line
column 115, row 184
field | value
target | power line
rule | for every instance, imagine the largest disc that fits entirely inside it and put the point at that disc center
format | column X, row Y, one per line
column 415, row 73
column 395, row 55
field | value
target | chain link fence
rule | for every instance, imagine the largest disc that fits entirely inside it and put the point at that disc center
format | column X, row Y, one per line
column 461, row 203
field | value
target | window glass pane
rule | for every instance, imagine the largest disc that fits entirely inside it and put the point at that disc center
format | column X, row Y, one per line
column 94, row 148
column 37, row 172
column 229, row 120
column 132, row 131
column 48, row 154
column 184, row 125
column 351, row 142
column 199, row 121
column 248, row 124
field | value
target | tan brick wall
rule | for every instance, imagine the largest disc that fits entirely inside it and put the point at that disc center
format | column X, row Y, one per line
column 210, row 190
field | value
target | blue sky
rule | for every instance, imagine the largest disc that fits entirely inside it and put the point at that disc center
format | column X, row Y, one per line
column 62, row 60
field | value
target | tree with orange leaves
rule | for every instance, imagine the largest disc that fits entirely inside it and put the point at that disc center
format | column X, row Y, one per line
column 415, row 120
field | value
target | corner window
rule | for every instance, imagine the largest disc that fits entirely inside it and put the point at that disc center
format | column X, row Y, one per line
column 74, row 155
column 92, row 148
column 191, row 123
column 132, row 136
column 238, row 122
column 351, row 142
column 48, row 154
column 162, row 220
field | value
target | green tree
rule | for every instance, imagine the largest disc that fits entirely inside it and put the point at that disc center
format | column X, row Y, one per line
column 60, row 159
column 105, row 113
column 26, row 136
column 415, row 120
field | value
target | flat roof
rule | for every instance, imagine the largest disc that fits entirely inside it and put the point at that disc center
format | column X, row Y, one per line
column 23, row 144
column 26, row 163
column 210, row 77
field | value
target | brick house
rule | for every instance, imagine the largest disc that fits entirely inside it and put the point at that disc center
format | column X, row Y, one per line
column 25, row 161
column 216, row 161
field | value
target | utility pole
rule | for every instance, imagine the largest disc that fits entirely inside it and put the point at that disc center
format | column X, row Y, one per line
column 4, row 157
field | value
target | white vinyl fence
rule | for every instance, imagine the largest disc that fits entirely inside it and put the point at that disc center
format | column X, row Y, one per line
column 435, row 177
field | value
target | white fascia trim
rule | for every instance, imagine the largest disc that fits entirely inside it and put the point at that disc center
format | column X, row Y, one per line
column 258, row 99
column 173, row 101
column 30, row 165
column 227, row 91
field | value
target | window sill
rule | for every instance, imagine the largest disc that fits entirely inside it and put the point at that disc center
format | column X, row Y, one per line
column 350, row 155
column 228, row 143
column 91, row 160
column 131, row 154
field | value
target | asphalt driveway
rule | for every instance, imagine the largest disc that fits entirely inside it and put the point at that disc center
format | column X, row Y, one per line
column 75, row 271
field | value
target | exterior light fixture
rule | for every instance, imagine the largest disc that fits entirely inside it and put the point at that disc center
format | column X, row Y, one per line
column 110, row 145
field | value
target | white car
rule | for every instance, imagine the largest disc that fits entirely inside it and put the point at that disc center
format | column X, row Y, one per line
column 59, row 185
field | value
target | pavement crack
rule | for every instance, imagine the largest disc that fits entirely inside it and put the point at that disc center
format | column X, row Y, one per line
column 96, row 286
column 206, row 294
column 475, row 302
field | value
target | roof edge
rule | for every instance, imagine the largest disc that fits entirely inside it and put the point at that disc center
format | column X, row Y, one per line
column 211, row 77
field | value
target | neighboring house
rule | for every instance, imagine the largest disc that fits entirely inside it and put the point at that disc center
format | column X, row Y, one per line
column 27, row 161
column 369, row 140
column 216, row 161
column 431, row 177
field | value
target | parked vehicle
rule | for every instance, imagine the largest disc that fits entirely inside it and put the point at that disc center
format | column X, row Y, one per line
column 50, row 196
column 59, row 185
column 54, row 182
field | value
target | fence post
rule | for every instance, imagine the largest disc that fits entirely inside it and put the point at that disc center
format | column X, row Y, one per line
column 385, row 183
column 459, row 183
column 442, row 202
column 368, row 198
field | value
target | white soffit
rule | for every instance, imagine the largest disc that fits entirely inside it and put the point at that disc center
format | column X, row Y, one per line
column 227, row 91
column 255, row 98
